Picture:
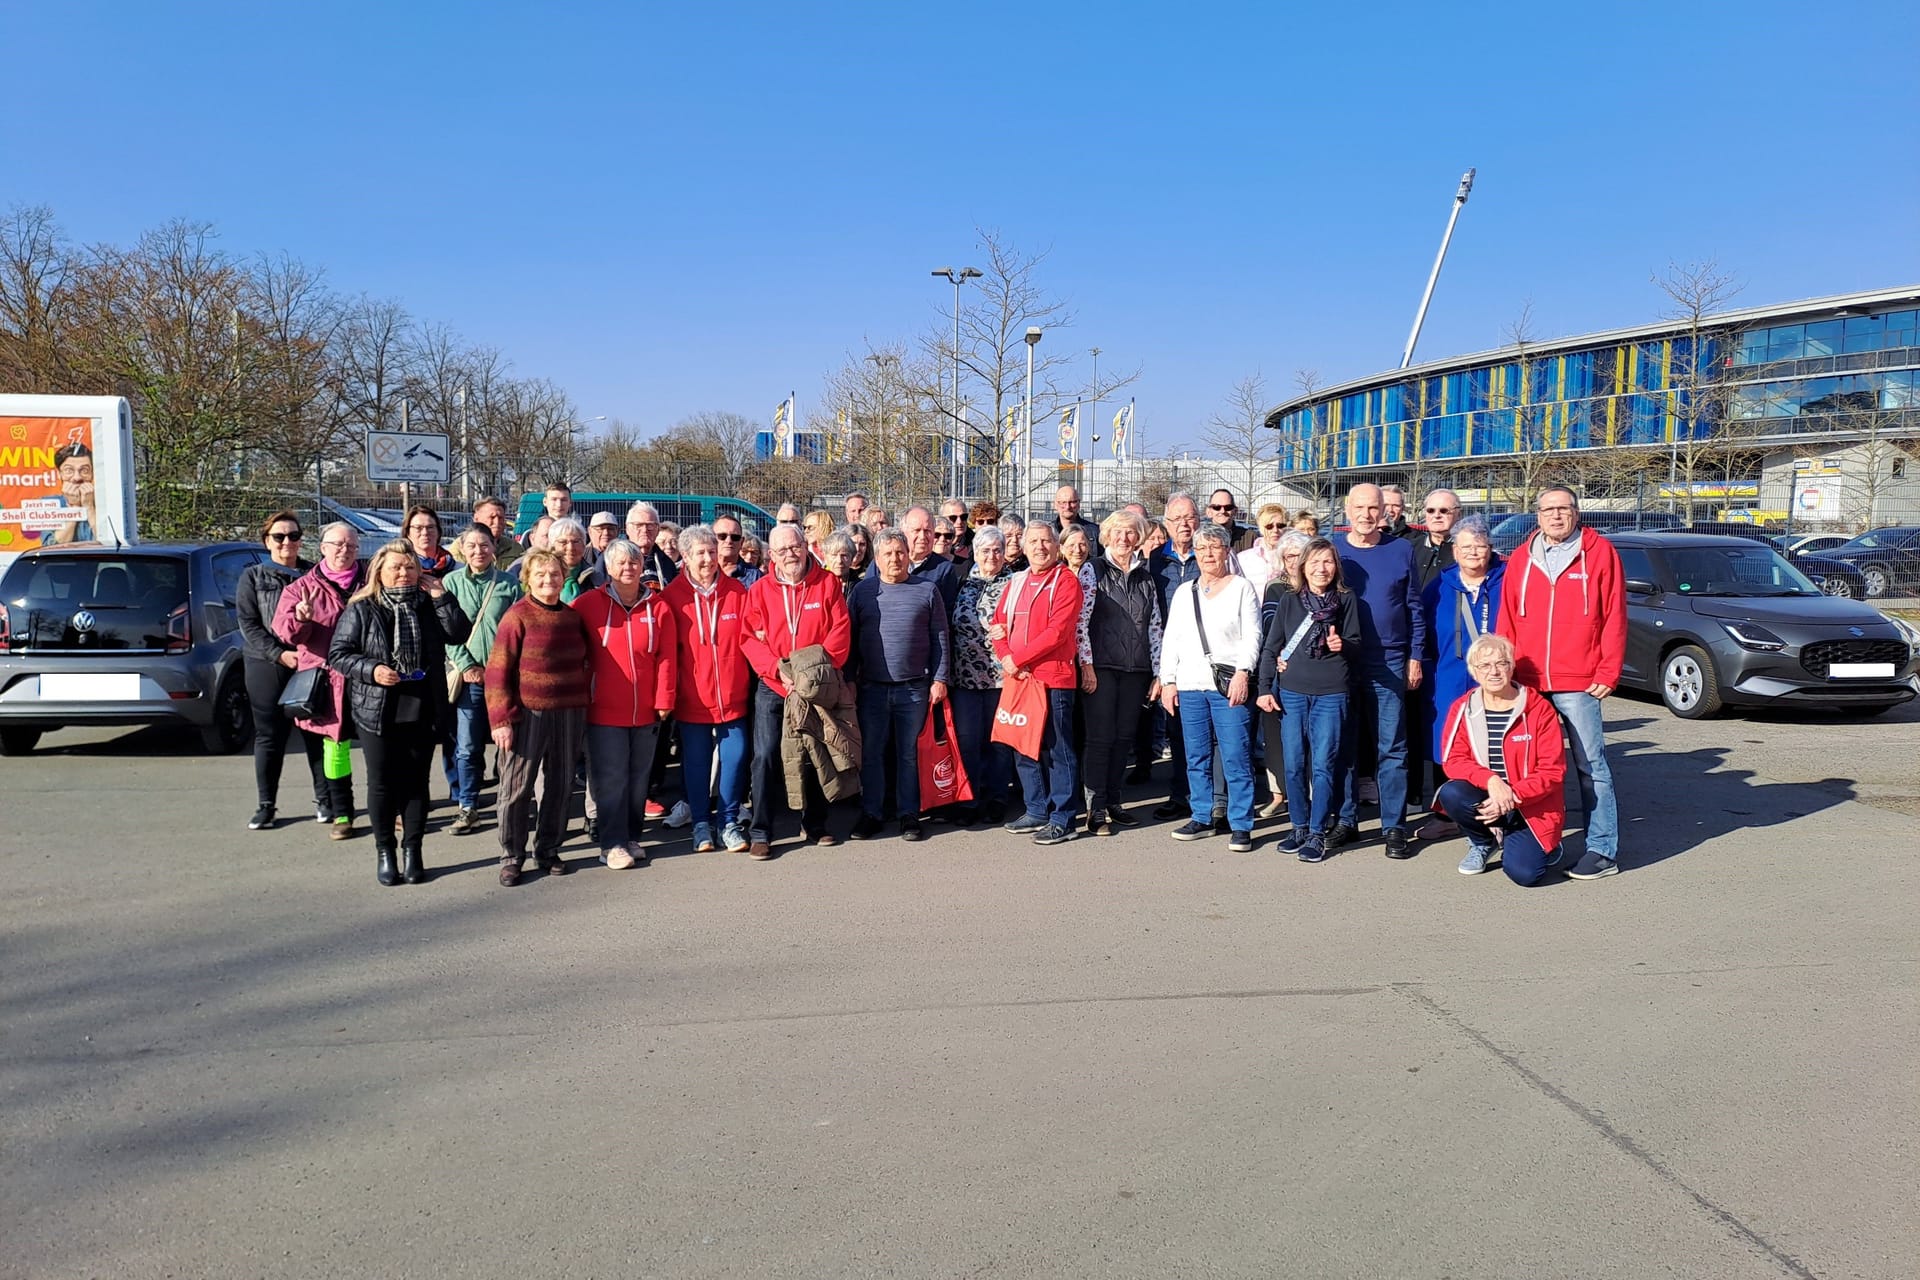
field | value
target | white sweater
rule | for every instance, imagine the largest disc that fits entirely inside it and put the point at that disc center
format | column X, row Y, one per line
column 1233, row 631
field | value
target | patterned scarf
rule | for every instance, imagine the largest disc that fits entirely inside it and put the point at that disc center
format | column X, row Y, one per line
column 1323, row 610
column 404, row 604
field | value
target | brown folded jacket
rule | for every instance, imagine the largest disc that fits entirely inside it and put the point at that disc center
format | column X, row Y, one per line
column 821, row 720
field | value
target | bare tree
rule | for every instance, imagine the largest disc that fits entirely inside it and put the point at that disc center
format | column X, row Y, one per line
column 1238, row 433
column 732, row 434
column 36, row 306
column 1698, row 395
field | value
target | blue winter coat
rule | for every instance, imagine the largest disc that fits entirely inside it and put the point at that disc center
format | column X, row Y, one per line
column 1448, row 637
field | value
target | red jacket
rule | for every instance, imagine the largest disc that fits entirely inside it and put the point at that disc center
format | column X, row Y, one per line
column 633, row 650
column 1042, row 624
column 713, row 669
column 783, row 619
column 1536, row 762
column 1570, row 633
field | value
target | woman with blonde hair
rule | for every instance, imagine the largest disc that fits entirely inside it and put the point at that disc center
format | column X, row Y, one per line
column 538, row 685
column 818, row 527
column 1260, row 563
column 391, row 645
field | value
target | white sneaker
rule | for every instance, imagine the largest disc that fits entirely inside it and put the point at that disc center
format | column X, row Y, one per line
column 617, row 859
column 680, row 815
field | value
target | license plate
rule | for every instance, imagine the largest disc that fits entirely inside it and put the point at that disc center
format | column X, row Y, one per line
column 1860, row 671
column 115, row 687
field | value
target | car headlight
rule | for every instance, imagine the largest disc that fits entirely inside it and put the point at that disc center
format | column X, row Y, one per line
column 1751, row 635
column 1908, row 632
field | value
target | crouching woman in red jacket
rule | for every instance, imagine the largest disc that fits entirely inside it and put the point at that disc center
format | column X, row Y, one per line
column 1505, row 767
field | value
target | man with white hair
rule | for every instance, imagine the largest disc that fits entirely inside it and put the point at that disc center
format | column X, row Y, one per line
column 643, row 531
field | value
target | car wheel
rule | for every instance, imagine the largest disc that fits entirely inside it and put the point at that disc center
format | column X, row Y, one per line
column 1838, row 587
column 18, row 742
column 1688, row 684
column 1877, row 578
column 232, row 725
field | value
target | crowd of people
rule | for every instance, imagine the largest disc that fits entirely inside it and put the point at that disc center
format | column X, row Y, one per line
column 1283, row 673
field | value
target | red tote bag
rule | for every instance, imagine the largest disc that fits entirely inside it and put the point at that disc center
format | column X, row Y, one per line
column 943, row 778
column 1021, row 719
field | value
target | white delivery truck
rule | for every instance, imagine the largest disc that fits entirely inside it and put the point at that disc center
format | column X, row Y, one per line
column 66, row 472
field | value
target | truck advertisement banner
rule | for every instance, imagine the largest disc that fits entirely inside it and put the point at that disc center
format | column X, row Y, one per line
column 62, row 472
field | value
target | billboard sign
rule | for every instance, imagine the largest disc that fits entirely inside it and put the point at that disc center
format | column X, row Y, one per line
column 64, row 478
column 415, row 457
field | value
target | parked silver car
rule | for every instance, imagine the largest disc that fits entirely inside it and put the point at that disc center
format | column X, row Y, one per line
column 144, row 634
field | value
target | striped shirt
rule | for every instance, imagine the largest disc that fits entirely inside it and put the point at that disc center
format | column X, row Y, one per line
column 1497, row 722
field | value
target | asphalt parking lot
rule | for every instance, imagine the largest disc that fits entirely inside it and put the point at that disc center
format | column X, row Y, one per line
column 232, row 1054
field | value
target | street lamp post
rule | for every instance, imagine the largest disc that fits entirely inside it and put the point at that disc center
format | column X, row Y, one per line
column 1093, row 454
column 1026, row 471
column 958, row 278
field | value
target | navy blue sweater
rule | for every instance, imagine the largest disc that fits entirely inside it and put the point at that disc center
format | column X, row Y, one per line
column 1386, row 581
column 899, row 631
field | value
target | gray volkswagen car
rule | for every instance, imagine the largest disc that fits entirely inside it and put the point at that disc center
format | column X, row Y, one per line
column 143, row 634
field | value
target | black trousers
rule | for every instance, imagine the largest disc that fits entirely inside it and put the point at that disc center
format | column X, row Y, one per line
column 271, row 728
column 399, row 761
column 1111, row 713
column 768, row 772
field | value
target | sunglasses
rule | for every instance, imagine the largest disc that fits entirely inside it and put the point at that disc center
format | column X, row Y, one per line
column 1271, row 527
column 1441, row 511
column 943, row 537
column 726, row 537
column 285, row 537
column 1214, row 506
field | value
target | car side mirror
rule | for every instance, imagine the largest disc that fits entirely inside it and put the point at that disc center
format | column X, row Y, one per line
column 1640, row 586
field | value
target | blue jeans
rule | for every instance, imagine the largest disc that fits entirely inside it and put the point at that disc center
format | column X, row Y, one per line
column 1312, row 729
column 471, row 735
column 1379, row 700
column 1521, row 856
column 698, row 744
column 989, row 763
column 1586, row 725
column 1051, row 783
column 1207, row 721
column 891, row 717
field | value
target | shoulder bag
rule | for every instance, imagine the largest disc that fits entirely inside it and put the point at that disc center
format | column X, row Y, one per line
column 1222, row 673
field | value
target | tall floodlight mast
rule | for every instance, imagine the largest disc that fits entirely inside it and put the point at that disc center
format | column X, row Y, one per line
column 1420, row 316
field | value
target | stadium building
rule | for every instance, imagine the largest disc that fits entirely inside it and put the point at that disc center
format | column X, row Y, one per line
column 1726, row 405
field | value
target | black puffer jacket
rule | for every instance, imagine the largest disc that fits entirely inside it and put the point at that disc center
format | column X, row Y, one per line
column 1126, row 612
column 363, row 640
column 255, row 599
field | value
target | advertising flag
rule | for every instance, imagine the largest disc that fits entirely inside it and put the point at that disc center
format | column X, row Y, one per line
column 783, row 428
column 1070, row 433
column 1012, row 435
column 1122, row 429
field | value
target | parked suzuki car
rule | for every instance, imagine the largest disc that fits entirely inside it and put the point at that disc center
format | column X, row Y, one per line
column 1888, row 559
column 143, row 634
column 1510, row 531
column 1833, row 577
column 1715, row 622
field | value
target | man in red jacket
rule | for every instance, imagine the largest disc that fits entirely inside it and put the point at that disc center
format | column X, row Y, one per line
column 1565, row 606
column 1034, row 630
column 796, row 605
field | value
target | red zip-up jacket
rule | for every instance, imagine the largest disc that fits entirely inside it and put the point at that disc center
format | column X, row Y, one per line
column 1536, row 762
column 1571, row 632
column 783, row 619
column 713, row 668
column 1042, row 623
column 633, row 658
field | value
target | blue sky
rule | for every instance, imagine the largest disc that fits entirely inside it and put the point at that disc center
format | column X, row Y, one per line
column 668, row 209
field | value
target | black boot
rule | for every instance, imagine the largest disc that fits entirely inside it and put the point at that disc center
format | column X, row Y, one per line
column 384, row 870
column 411, row 866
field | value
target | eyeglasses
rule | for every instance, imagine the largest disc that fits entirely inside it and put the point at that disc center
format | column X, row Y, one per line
column 1271, row 527
column 289, row 537
column 421, row 526
column 726, row 537
column 1214, row 506
column 789, row 522
column 943, row 537
column 339, row 542
column 1556, row 511
column 1441, row 511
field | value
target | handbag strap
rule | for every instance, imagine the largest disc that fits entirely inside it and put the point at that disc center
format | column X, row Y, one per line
column 1206, row 649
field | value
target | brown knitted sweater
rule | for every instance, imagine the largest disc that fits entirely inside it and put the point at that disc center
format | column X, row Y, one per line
column 539, row 662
